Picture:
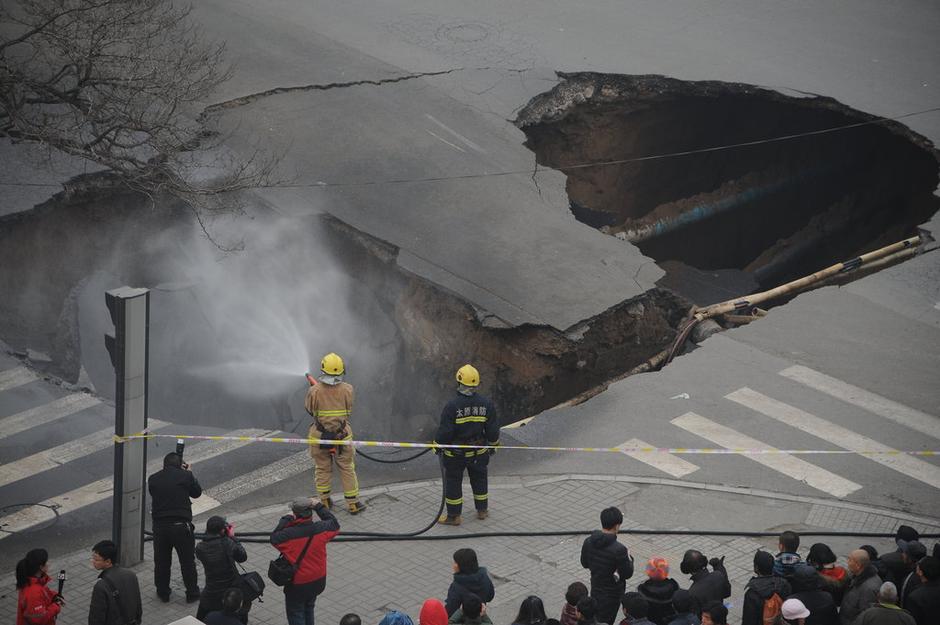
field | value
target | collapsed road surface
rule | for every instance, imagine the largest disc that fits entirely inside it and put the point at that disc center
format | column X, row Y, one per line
column 534, row 263
column 724, row 176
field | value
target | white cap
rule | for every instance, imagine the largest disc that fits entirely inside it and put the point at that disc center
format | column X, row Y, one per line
column 793, row 608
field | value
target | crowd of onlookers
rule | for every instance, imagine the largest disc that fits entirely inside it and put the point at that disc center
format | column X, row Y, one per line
column 901, row 587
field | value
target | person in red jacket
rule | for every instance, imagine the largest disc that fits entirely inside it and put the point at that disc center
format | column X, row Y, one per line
column 37, row 604
column 291, row 536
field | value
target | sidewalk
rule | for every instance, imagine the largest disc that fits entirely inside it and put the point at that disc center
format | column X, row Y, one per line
column 371, row 578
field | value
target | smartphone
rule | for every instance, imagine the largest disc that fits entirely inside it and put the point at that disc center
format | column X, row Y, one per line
column 180, row 445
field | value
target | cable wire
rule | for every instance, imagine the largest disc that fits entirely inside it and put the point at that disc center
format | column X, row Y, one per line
column 529, row 172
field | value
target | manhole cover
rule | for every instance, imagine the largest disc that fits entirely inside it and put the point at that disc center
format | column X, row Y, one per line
column 467, row 32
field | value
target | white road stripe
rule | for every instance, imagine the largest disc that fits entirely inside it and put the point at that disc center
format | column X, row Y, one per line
column 241, row 485
column 443, row 140
column 665, row 462
column 102, row 489
column 57, row 456
column 882, row 406
column 837, row 435
column 40, row 415
column 459, row 136
column 791, row 466
column 17, row 376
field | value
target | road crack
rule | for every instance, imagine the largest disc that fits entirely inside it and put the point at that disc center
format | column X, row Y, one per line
column 254, row 97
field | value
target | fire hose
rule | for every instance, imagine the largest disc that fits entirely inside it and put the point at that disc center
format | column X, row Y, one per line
column 313, row 381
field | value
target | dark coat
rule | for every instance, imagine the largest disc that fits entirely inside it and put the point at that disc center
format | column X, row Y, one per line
column 924, row 603
column 104, row 610
column 822, row 607
column 468, row 419
column 860, row 594
column 813, row 589
column 604, row 556
column 170, row 490
column 478, row 583
column 757, row 591
column 686, row 618
column 658, row 594
column 896, row 569
column 911, row 583
column 218, row 555
column 709, row 586
column 880, row 614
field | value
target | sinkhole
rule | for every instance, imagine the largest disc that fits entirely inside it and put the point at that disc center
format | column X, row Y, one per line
column 769, row 210
column 231, row 334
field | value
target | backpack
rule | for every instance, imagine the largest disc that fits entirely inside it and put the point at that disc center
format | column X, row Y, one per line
column 772, row 608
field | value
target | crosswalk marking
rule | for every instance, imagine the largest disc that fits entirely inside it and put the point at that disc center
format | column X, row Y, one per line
column 17, row 376
column 665, row 462
column 837, row 435
column 57, row 456
column 881, row 406
column 284, row 468
column 102, row 489
column 791, row 466
column 47, row 413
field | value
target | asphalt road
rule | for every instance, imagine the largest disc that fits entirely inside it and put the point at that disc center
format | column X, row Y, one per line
column 509, row 245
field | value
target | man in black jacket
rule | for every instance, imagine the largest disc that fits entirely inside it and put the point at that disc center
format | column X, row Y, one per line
column 896, row 566
column 707, row 587
column 808, row 586
column 218, row 552
column 610, row 565
column 763, row 587
column 172, row 511
column 115, row 598
column 924, row 602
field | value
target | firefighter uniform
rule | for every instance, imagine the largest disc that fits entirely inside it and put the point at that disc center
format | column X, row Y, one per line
column 467, row 419
column 330, row 405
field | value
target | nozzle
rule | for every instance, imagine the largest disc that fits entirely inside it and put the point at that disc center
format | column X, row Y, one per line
column 310, row 378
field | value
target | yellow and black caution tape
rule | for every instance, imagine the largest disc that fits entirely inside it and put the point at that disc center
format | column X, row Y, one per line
column 620, row 449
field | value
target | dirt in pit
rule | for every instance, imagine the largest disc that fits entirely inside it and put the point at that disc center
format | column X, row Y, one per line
column 773, row 210
column 401, row 336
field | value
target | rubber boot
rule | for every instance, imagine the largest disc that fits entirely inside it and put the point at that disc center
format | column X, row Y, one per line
column 482, row 514
column 446, row 519
column 327, row 501
column 355, row 507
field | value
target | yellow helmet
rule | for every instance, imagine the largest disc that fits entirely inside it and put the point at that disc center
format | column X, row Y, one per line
column 468, row 376
column 332, row 364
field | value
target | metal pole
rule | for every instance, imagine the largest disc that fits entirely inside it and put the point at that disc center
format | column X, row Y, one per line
column 129, row 349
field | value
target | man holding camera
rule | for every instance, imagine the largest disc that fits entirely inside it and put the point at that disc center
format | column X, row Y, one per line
column 172, row 512
column 302, row 542
column 218, row 552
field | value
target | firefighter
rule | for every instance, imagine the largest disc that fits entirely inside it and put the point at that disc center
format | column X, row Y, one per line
column 330, row 404
column 467, row 419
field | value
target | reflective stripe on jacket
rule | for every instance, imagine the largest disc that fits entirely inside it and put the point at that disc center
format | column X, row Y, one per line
column 468, row 420
column 331, row 406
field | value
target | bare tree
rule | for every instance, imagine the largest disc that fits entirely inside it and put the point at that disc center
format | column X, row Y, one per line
column 121, row 83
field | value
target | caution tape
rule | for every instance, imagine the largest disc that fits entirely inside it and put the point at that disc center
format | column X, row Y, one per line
column 619, row 450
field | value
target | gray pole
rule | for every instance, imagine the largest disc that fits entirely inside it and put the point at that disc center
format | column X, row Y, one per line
column 129, row 350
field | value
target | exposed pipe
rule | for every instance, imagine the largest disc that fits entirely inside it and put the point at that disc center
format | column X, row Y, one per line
column 795, row 286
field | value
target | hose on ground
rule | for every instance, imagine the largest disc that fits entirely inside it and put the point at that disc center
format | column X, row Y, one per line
column 396, row 461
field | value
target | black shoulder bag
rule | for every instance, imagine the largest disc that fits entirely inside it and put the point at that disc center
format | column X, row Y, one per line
column 113, row 591
column 250, row 583
column 281, row 571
